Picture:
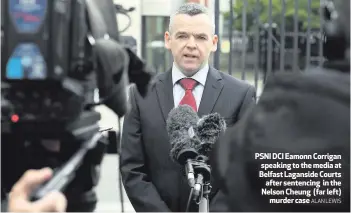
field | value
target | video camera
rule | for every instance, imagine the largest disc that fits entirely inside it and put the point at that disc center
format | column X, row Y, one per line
column 60, row 59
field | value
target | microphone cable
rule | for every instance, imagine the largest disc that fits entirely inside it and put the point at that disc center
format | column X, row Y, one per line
column 120, row 10
column 189, row 199
column 119, row 174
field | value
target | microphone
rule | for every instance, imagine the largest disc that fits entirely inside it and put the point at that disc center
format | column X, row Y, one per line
column 191, row 141
column 208, row 130
column 179, row 120
column 184, row 153
column 183, row 148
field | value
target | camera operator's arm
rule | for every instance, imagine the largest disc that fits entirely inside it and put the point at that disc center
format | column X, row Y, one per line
column 141, row 192
column 19, row 195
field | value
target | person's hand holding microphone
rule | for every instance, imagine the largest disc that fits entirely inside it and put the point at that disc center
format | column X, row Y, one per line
column 19, row 195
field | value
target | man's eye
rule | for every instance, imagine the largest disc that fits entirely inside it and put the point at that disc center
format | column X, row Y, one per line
column 182, row 36
column 201, row 37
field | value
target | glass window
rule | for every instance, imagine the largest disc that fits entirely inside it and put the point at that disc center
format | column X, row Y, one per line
column 153, row 49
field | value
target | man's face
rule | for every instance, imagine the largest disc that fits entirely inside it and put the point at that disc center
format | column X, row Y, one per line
column 191, row 41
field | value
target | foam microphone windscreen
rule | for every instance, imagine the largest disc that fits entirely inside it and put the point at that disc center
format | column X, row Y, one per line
column 180, row 119
column 208, row 131
column 184, row 148
column 177, row 145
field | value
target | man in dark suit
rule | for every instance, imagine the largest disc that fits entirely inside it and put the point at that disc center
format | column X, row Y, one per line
column 153, row 182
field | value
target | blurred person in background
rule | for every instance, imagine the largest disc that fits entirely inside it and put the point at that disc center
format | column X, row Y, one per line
column 300, row 114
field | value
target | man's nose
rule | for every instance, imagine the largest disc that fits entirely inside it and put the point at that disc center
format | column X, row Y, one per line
column 191, row 43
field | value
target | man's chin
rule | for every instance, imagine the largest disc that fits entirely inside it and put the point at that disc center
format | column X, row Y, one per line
column 190, row 70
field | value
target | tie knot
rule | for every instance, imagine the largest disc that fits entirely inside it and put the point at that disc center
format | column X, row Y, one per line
column 188, row 83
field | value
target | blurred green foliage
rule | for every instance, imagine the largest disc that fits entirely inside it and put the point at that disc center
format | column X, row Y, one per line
column 261, row 9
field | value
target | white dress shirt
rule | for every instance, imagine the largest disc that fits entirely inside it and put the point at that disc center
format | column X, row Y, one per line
column 179, row 92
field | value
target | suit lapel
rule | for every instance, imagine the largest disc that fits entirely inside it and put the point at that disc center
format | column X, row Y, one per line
column 212, row 90
column 164, row 90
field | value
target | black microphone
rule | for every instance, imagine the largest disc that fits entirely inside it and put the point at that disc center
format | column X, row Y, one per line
column 179, row 120
column 183, row 148
column 208, row 130
column 184, row 152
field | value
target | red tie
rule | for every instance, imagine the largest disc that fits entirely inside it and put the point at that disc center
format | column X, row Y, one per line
column 188, row 84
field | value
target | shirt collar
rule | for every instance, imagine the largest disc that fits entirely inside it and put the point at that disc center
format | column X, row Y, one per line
column 200, row 76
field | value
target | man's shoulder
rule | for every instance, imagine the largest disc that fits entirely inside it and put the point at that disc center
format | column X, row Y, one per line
column 150, row 87
column 231, row 81
column 161, row 75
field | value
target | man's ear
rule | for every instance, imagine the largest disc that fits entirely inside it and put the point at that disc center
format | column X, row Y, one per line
column 214, row 43
column 167, row 40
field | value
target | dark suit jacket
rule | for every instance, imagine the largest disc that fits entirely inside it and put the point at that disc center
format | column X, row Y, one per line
column 153, row 182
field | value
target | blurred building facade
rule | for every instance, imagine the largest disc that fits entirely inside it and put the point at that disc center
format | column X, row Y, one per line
column 256, row 38
column 149, row 21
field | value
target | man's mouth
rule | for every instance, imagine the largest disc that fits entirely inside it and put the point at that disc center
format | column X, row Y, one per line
column 190, row 56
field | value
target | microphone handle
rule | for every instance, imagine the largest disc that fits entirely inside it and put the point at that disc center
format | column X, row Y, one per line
column 64, row 175
column 204, row 204
column 189, row 172
column 198, row 186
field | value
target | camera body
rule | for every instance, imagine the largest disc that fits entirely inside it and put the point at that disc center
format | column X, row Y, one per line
column 46, row 62
column 51, row 80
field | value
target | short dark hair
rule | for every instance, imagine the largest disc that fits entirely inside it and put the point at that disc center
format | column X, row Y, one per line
column 191, row 9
